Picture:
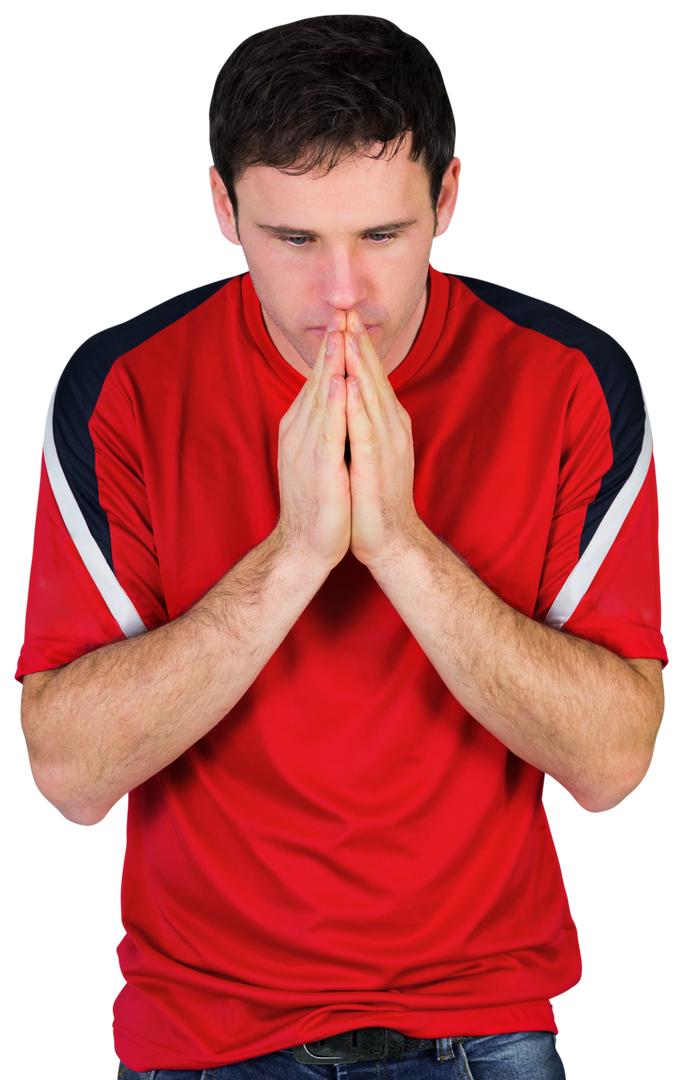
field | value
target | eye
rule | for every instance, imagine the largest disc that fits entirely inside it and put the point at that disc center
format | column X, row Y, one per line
column 389, row 237
column 294, row 241
column 381, row 237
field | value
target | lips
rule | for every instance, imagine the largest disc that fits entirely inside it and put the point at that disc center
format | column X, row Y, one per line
column 320, row 330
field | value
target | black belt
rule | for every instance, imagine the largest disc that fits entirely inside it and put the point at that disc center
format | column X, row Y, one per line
column 363, row 1044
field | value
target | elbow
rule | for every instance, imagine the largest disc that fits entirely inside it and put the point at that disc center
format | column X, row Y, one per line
column 606, row 795
column 607, row 791
column 598, row 801
column 53, row 785
column 596, row 807
column 80, row 817
column 76, row 810
column 54, row 771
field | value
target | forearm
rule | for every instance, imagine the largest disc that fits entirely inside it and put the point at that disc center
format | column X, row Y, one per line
column 571, row 708
column 101, row 725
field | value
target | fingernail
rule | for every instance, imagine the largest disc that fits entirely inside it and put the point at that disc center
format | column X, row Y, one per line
column 354, row 343
column 359, row 324
column 334, row 325
column 331, row 346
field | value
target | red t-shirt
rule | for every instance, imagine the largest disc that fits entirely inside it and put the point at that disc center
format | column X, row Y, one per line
column 347, row 847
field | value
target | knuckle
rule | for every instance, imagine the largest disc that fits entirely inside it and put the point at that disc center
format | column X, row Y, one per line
column 317, row 406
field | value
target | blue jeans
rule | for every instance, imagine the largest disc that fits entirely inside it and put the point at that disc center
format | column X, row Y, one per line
column 524, row 1055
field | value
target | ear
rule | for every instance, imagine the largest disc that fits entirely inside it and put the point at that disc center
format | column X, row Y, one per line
column 222, row 207
column 450, row 198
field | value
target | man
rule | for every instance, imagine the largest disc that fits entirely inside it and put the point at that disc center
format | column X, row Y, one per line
column 334, row 560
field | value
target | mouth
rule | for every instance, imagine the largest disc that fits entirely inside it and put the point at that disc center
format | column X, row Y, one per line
column 319, row 331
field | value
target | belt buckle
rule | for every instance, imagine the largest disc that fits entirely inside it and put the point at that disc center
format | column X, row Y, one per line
column 304, row 1055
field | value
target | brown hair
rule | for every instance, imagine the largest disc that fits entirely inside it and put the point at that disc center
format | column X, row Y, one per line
column 312, row 92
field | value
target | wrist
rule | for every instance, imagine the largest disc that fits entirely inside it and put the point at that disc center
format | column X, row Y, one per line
column 286, row 548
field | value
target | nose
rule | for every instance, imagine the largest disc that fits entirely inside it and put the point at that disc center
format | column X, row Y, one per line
column 341, row 281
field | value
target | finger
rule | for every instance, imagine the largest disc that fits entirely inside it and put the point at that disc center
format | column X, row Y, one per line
column 331, row 435
column 361, row 351
column 365, row 446
column 361, row 345
column 303, row 402
column 337, row 323
column 371, row 393
column 377, row 392
column 321, row 418
column 306, row 388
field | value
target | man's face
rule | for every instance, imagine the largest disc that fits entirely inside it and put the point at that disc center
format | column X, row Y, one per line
column 357, row 237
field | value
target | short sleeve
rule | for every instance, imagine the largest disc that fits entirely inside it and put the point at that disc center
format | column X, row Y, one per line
column 94, row 575
column 601, row 572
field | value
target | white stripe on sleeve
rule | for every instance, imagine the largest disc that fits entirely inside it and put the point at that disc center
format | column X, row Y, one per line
column 118, row 602
column 581, row 577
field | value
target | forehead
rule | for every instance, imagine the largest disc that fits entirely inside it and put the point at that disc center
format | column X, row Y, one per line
column 359, row 184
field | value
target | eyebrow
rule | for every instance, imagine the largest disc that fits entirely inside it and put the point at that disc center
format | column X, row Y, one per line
column 286, row 230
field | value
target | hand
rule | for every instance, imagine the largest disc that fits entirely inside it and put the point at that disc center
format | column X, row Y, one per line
column 381, row 473
column 315, row 502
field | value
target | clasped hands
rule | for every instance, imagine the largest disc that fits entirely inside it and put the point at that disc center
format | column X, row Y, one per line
column 382, row 466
